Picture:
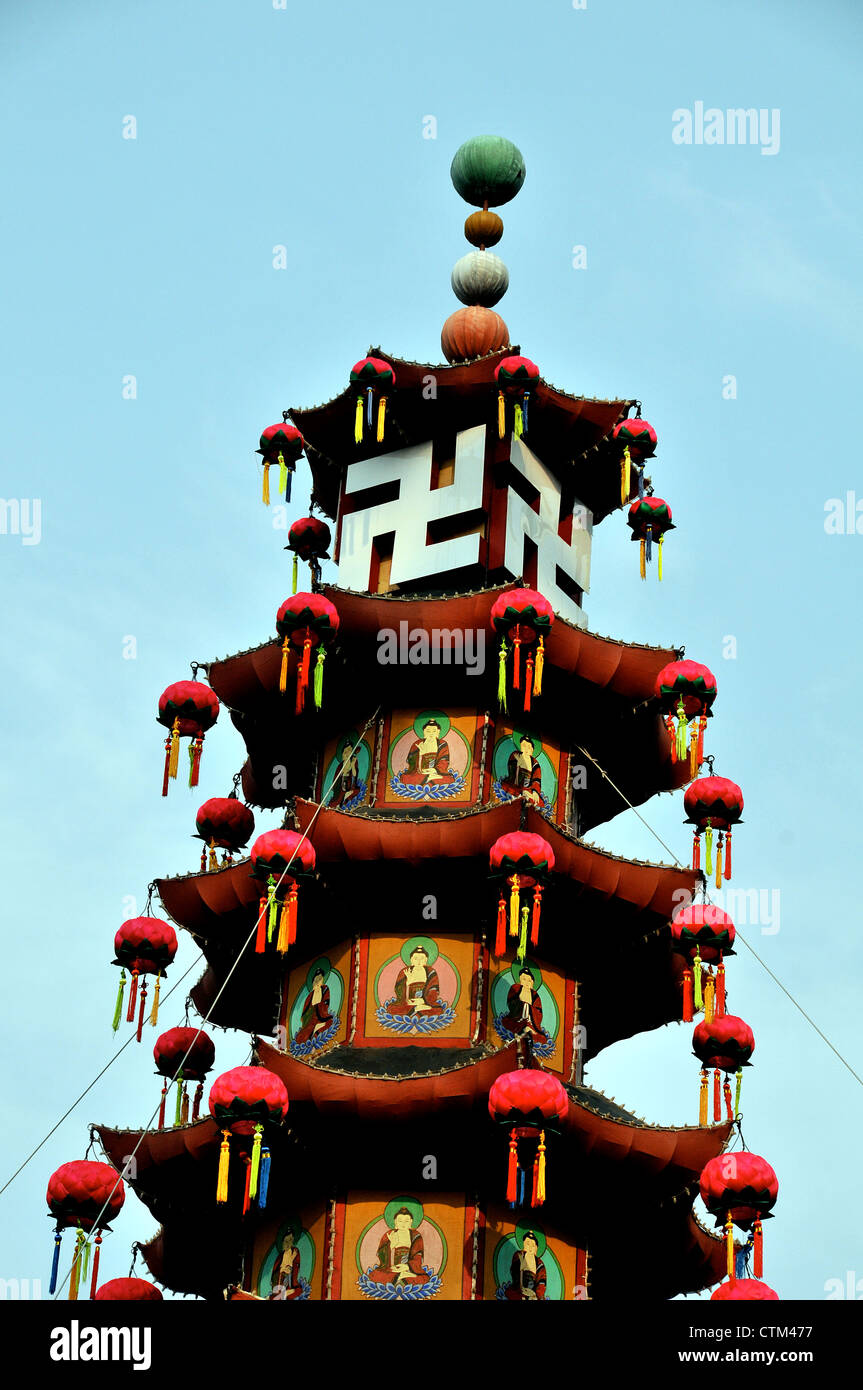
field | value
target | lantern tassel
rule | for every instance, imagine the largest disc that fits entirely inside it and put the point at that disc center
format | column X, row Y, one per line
column 143, row 1009
column 719, row 861
column 224, row 1163
column 266, row 488
column 702, row 1099
column 693, row 750
column 522, row 936
column 261, row 932
column 642, row 559
column 55, row 1259
column 319, row 677
column 295, row 574
column 265, row 1177
column 501, row 415
column 76, row 1264
column 524, row 403
column 516, row 663
column 709, row 992
column 500, row 934
column 256, row 1162
column 213, row 861
column 708, row 849
column 283, row 673
column 672, row 735
column 282, row 939
column 247, row 1186
column 758, row 1251
column 283, row 472
column 540, row 1171
column 537, row 908
column 517, row 421
column 382, row 412
column 162, row 1103
column 133, row 998
column 726, row 1092
column 659, row 558
column 528, row 683
column 178, row 1108
column 501, row 676
column 729, row 1247
column 512, row 1171
column 370, row 405
column 720, row 989
column 167, row 772
column 513, row 905
column 737, row 1091
column 687, row 996
column 273, row 915
column 702, row 729
column 303, row 674
column 358, row 421
column 196, row 748
column 118, row 1007
column 696, row 851
column 184, row 1108
column 696, row 981
column 540, row 662
column 681, row 731
column 624, row 476
column 292, row 914
column 199, row 1096
column 174, row 762
column 94, row 1277
column 727, row 854
column 154, row 1012
column 717, row 1096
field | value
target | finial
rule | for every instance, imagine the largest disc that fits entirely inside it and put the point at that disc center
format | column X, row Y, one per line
column 486, row 170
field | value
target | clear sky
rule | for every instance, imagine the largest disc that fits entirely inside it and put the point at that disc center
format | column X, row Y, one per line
column 153, row 258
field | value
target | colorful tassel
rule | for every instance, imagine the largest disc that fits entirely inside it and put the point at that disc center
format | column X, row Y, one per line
column 94, row 1277
column 283, row 672
column 174, row 762
column 516, row 661
column 199, row 1096
column 718, row 879
column 708, row 849
column 693, row 750
column 247, row 1185
column 696, row 851
column 540, row 1167
column 501, row 676
column 702, row 1099
column 709, row 992
column 55, row 1259
column 737, row 1091
column 642, row 558
column 537, row 908
column 625, row 476
column 265, row 1177
column 184, row 1109
column 512, row 1171
column 696, row 981
column 273, row 913
column 303, row 674
column 358, row 421
column 162, row 1103
column 528, row 683
column 687, row 996
column 133, row 998
column 758, row 1251
column 514, row 905
column 702, row 728
column 672, row 735
column 292, row 914
column 726, row 1092
column 283, row 473
column 118, row 1007
column 522, row 936
column 720, row 989
column 501, row 415
column 282, row 938
column 370, row 405
column 717, row 1096
column 266, row 488
column 681, row 731
column 178, row 1108
column 524, row 400
column 727, row 854
column 196, row 748
column 319, row 677
column 729, row 1247
column 517, row 421
column 76, row 1264
column 143, row 1009
column 154, row 1012
column 261, row 929
column 224, row 1164
column 382, row 411
column 256, row 1162
column 500, row 933
column 540, row 662
column 204, row 860
column 659, row 558
column 295, row 575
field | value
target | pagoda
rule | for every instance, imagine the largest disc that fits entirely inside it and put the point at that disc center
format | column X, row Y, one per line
column 431, row 954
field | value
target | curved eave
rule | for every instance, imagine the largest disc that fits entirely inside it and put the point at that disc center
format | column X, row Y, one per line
column 564, row 428
column 627, row 669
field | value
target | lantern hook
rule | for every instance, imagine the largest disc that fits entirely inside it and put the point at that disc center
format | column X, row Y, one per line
column 199, row 666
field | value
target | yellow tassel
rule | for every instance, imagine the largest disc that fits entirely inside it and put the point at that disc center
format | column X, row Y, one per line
column 282, row 938
column 642, row 560
column 154, row 1012
column 693, row 749
column 522, row 936
column 659, row 558
column 382, row 410
column 729, row 1240
column 624, row 477
column 224, row 1162
column 718, row 879
column 256, row 1163
column 501, row 415
column 283, row 673
column 175, row 749
column 708, row 849
column 283, row 473
column 513, row 906
column 702, row 1099
column 538, row 665
column 358, row 421
column 213, row 861
column 266, row 491
column 709, row 999
column 540, row 1174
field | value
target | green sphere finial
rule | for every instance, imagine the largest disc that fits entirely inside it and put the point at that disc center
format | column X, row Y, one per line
column 487, row 169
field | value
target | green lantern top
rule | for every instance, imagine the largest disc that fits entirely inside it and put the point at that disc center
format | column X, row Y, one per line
column 487, row 169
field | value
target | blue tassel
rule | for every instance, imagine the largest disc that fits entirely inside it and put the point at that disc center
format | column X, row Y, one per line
column 524, row 412
column 641, row 481
column 55, row 1263
column 316, row 572
column 369, row 405
column 264, row 1177
column 288, row 483
column 521, row 1187
column 648, row 546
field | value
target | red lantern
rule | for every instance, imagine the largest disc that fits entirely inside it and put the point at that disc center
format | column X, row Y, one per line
column 649, row 518
column 128, row 1290
column 638, row 441
column 703, row 933
column 528, row 1101
column 515, row 376
column 146, row 946
column 280, row 444
column 686, row 689
column 725, row 1044
column 88, row 1196
column 309, row 538
column 188, row 709
column 172, row 1062
column 526, row 618
column 743, row 1290
column 305, row 621
column 740, row 1189
column 713, row 803
column 225, row 823
column 242, row 1102
column 525, row 861
column 375, row 377
column 281, row 857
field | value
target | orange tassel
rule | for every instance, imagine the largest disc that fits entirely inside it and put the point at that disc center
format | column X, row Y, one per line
column 283, row 673
column 688, row 1014
column 726, row 1091
column 540, row 663
column 282, row 938
column 696, row 852
column 537, row 906
column 758, row 1251
column 702, row 1098
column 717, row 1097
column 718, row 879
column 702, row 726
column 642, row 560
column 292, row 915
column 516, row 662
column 729, row 1247
column 303, row 674
column 672, row 734
column 720, row 989
column 512, row 1171
column 246, row 1193
column 94, row 1278
column 528, row 683
column 728, row 854
column 500, row 936
column 261, row 935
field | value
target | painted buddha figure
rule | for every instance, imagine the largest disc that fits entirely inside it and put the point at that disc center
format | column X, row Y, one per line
column 285, row 1279
column 524, row 1006
column 527, row 1272
column 316, row 1015
column 523, row 772
column 428, row 758
column 400, row 1253
column 416, row 987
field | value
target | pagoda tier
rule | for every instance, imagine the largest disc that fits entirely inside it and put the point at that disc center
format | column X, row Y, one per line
column 598, row 695
column 601, row 1149
column 598, row 910
column 569, row 433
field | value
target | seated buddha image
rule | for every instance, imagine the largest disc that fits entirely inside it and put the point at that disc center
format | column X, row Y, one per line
column 523, row 772
column 428, row 758
column 416, row 987
column 285, row 1279
column 400, row 1253
column 528, row 1277
column 524, row 1006
column 347, row 776
column 316, row 1016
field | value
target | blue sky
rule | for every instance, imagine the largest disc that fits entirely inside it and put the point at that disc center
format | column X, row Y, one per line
column 153, row 258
